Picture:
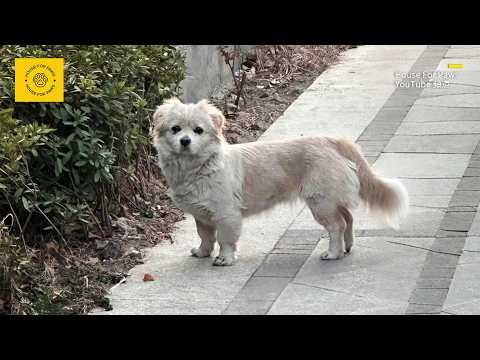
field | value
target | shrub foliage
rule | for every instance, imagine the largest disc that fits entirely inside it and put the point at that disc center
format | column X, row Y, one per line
column 61, row 164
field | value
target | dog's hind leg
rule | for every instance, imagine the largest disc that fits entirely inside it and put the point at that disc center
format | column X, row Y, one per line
column 333, row 221
column 207, row 234
column 349, row 237
column 228, row 232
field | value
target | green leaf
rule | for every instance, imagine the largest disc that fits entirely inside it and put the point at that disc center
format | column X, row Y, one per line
column 25, row 203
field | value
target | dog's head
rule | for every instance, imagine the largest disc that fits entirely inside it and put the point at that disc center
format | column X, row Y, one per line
column 187, row 129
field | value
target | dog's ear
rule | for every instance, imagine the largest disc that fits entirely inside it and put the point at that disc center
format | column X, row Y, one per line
column 159, row 115
column 215, row 114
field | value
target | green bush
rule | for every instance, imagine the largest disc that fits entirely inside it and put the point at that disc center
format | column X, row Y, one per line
column 61, row 164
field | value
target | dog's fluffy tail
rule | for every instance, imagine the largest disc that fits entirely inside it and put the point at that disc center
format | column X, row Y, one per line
column 385, row 198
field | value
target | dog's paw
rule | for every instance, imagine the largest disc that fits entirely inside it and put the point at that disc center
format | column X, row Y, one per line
column 331, row 256
column 199, row 252
column 223, row 261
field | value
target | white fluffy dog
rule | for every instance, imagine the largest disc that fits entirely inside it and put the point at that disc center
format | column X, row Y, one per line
column 219, row 184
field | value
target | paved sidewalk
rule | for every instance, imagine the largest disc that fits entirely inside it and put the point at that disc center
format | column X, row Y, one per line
column 428, row 137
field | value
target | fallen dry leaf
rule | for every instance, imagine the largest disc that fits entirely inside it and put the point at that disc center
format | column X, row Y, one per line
column 148, row 277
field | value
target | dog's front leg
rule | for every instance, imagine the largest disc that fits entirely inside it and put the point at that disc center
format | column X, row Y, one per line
column 207, row 233
column 228, row 232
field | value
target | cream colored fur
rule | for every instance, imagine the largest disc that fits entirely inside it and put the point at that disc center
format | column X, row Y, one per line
column 220, row 184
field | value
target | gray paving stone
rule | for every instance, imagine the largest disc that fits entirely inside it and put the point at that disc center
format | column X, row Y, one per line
column 433, row 283
column 469, row 183
column 428, row 296
column 453, row 89
column 441, row 260
column 248, row 307
column 452, row 245
column 462, row 208
column 450, row 234
column 298, row 237
column 430, row 201
column 472, row 243
column 262, row 288
column 422, row 165
column 462, row 52
column 465, row 198
column 299, row 299
column 471, row 128
column 287, row 251
column 472, row 171
column 475, row 228
column 422, row 309
column 433, row 187
column 457, row 221
column 433, row 144
column 437, row 272
column 462, row 101
column 281, row 265
column 420, row 223
column 464, row 293
column 421, row 113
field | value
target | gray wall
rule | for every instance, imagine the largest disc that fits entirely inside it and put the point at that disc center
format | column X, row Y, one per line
column 207, row 74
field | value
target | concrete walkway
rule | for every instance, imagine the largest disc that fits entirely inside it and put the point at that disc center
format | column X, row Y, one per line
column 428, row 137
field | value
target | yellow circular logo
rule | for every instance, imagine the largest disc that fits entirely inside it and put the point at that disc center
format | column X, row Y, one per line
column 40, row 79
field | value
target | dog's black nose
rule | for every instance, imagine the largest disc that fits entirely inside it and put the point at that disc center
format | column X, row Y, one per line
column 185, row 141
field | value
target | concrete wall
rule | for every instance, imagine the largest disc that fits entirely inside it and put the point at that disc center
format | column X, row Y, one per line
column 207, row 74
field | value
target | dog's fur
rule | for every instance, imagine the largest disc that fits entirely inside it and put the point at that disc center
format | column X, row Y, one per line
column 219, row 184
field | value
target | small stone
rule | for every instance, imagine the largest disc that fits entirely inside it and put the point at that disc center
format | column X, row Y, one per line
column 148, row 277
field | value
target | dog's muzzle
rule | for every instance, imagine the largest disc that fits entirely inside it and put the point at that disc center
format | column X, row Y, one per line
column 185, row 141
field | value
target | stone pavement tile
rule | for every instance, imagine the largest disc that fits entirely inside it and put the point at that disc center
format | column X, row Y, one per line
column 299, row 299
column 300, row 237
column 437, row 272
column 425, row 114
column 262, row 288
column 248, row 307
column 434, row 259
column 467, row 308
column 374, row 269
column 472, row 243
column 432, row 283
column 469, row 183
column 433, row 144
column 421, row 165
column 465, row 287
column 465, row 198
column 472, row 171
column 432, row 187
column 457, row 221
column 450, row 234
column 462, row 208
column 464, row 53
column 475, row 228
column 453, row 245
column 429, row 201
column 423, row 309
column 428, row 296
column 420, row 222
column 470, row 129
column 281, row 265
column 467, row 77
column 452, row 89
column 458, row 100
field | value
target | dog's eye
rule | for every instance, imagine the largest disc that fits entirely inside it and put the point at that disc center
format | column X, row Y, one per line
column 198, row 130
column 176, row 129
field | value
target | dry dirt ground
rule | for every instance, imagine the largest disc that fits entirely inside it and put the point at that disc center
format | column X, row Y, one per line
column 76, row 278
